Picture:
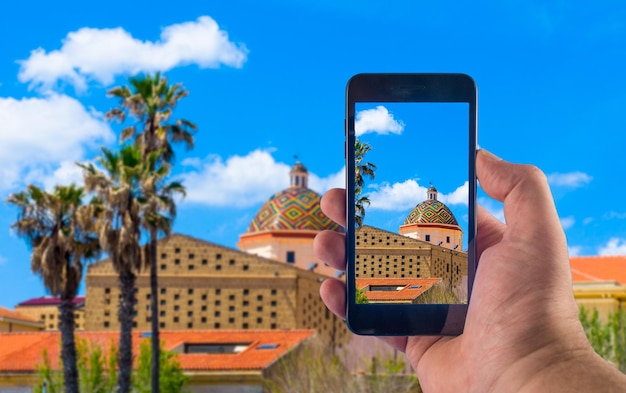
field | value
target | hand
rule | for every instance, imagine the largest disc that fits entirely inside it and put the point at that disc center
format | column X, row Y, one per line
column 522, row 331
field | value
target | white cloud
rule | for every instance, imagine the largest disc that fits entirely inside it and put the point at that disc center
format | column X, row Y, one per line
column 377, row 120
column 567, row 222
column 574, row 251
column 244, row 181
column 494, row 207
column 571, row 179
column 101, row 54
column 39, row 133
column 588, row 220
column 614, row 246
column 405, row 195
column 323, row 184
column 614, row 214
column 3, row 260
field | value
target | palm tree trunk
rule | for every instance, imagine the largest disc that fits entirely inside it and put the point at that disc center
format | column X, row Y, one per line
column 126, row 313
column 154, row 309
column 68, row 345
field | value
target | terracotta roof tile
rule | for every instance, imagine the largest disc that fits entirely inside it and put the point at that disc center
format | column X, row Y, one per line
column 6, row 313
column 21, row 352
column 599, row 268
column 405, row 293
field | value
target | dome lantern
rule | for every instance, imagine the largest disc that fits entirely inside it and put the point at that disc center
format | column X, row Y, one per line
column 298, row 175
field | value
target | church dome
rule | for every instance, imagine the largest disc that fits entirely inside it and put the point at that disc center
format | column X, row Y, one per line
column 431, row 211
column 296, row 207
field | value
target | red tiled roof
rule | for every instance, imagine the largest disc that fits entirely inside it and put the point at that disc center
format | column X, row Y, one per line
column 6, row 313
column 599, row 268
column 405, row 293
column 21, row 352
column 48, row 300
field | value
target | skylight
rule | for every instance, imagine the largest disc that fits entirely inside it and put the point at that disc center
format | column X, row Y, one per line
column 216, row 348
column 267, row 346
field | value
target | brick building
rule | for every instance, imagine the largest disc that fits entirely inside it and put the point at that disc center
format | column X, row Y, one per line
column 46, row 310
column 208, row 286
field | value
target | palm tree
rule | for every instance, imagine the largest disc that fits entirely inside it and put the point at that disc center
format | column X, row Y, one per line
column 362, row 170
column 59, row 229
column 150, row 100
column 119, row 194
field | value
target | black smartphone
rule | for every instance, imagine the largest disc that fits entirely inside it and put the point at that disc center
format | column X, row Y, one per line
column 411, row 203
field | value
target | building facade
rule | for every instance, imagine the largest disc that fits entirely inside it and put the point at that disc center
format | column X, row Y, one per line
column 46, row 310
column 207, row 286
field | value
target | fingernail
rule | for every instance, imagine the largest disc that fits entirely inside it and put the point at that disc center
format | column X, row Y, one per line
column 489, row 154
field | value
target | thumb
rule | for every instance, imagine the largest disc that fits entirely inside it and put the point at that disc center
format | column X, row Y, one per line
column 529, row 209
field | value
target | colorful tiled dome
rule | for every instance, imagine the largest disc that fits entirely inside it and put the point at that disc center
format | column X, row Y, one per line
column 431, row 211
column 293, row 208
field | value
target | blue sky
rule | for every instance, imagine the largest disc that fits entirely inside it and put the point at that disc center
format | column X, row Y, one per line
column 414, row 145
column 267, row 82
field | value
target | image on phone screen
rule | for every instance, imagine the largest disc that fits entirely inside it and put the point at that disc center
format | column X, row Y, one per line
column 411, row 202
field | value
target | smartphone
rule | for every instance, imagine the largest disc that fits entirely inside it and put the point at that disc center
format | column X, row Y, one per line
column 411, row 203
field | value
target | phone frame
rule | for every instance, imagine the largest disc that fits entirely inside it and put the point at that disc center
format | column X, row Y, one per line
column 407, row 319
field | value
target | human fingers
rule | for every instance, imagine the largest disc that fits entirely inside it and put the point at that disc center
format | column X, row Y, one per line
column 529, row 209
column 329, row 246
column 333, row 294
column 333, row 204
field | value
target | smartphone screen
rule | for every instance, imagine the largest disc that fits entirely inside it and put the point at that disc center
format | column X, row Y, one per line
column 412, row 201
column 411, row 142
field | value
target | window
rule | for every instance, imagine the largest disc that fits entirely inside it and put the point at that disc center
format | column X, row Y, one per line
column 163, row 266
column 203, row 320
column 427, row 238
column 273, row 314
column 204, row 296
column 231, row 320
column 162, row 325
column 163, row 291
column 216, row 325
column 218, row 267
column 107, row 290
column 205, row 262
column 190, row 313
column 245, row 303
column 245, row 326
column 218, row 256
column 177, row 250
column 148, row 296
column 192, row 256
column 246, row 267
column 190, row 291
column 244, row 314
column 291, row 256
column 447, row 239
column 231, row 262
column 259, row 320
column 218, row 314
column 191, row 267
column 106, row 324
column 259, row 309
column 246, row 291
column 273, row 292
column 163, row 302
column 259, row 297
column 203, row 308
column 175, row 319
column 217, row 302
column 162, row 313
column 176, row 308
column 218, row 291
column 189, row 325
column 231, row 297
column 190, row 303
column 176, row 261
column 273, row 304
column 176, row 296
column 231, row 308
